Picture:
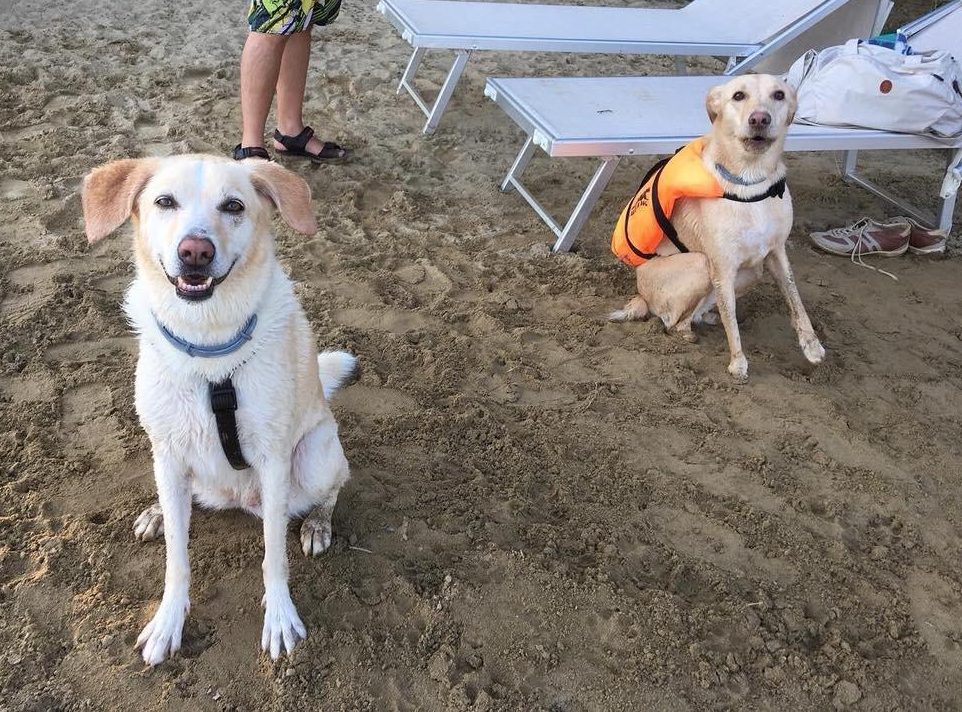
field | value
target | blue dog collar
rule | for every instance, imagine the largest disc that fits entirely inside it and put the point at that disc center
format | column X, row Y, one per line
column 192, row 350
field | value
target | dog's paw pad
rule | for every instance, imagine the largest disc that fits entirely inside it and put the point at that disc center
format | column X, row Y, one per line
column 315, row 536
column 150, row 524
column 282, row 626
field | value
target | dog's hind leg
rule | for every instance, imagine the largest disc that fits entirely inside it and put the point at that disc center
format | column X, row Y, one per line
column 150, row 524
column 316, row 530
column 683, row 327
column 319, row 471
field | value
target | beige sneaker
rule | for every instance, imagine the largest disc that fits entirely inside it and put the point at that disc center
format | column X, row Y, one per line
column 924, row 240
column 866, row 237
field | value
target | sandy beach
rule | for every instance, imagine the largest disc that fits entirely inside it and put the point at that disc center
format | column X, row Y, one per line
column 547, row 511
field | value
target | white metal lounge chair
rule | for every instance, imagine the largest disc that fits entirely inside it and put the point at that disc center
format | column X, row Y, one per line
column 609, row 118
column 745, row 31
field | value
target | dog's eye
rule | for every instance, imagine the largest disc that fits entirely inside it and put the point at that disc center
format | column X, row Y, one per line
column 165, row 201
column 779, row 95
column 232, row 205
column 738, row 95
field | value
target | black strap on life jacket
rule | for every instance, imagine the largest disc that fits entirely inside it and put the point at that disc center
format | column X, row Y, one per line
column 223, row 401
column 663, row 222
column 657, row 168
column 775, row 190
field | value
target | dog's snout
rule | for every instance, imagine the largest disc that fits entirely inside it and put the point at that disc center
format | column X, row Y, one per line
column 760, row 120
column 196, row 251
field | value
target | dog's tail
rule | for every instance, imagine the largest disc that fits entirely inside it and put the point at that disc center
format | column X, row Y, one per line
column 635, row 310
column 336, row 368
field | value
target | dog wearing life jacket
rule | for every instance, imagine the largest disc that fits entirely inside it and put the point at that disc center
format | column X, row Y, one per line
column 229, row 388
column 707, row 222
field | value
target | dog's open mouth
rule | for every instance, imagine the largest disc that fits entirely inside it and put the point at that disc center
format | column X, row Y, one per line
column 196, row 287
column 758, row 143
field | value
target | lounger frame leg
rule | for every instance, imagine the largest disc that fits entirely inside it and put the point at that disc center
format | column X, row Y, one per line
column 447, row 89
column 407, row 78
column 433, row 111
column 942, row 220
column 567, row 233
column 520, row 163
column 585, row 204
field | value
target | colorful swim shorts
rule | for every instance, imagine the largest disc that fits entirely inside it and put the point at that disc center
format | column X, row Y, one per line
column 284, row 17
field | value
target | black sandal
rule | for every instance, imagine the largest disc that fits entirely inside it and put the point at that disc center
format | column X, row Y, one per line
column 243, row 152
column 297, row 146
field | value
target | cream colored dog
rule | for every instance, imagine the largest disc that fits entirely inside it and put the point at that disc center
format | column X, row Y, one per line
column 730, row 242
column 210, row 302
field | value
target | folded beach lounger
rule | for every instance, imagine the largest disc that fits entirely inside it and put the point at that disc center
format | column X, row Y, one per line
column 745, row 31
column 614, row 117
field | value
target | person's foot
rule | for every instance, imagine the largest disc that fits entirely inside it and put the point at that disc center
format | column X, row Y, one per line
column 924, row 240
column 242, row 153
column 865, row 237
column 305, row 144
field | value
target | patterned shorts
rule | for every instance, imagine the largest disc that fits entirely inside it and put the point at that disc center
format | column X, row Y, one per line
column 284, row 17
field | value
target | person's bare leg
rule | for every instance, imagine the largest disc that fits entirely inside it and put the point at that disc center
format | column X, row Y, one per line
column 291, row 84
column 260, row 65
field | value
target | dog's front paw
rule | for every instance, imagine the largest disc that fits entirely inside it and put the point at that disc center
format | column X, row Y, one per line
column 738, row 368
column 150, row 524
column 813, row 349
column 282, row 626
column 161, row 637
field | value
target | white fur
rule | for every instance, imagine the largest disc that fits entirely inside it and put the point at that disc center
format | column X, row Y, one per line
column 285, row 426
column 334, row 368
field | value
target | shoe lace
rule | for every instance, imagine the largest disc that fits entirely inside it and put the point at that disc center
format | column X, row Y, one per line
column 856, row 256
column 859, row 226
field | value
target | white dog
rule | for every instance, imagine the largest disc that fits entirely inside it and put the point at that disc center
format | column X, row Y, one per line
column 732, row 238
column 210, row 302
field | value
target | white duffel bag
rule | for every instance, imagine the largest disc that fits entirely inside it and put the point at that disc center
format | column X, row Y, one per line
column 859, row 84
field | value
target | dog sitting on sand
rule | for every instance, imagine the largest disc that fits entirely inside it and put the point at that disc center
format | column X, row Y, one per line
column 230, row 387
column 734, row 222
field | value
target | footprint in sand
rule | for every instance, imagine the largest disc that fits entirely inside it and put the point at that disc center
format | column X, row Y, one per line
column 89, row 428
column 34, row 285
column 422, row 277
column 697, row 536
column 936, row 606
column 12, row 189
column 394, row 321
column 374, row 402
column 90, row 351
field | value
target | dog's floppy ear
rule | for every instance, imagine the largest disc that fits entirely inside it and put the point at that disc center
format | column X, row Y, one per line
column 289, row 193
column 109, row 193
column 713, row 103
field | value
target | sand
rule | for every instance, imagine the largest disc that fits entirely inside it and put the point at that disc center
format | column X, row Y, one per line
column 547, row 511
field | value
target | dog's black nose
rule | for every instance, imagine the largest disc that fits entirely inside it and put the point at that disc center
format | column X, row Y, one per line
column 196, row 251
column 760, row 120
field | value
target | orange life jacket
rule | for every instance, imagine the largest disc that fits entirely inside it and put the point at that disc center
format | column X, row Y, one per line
column 646, row 220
